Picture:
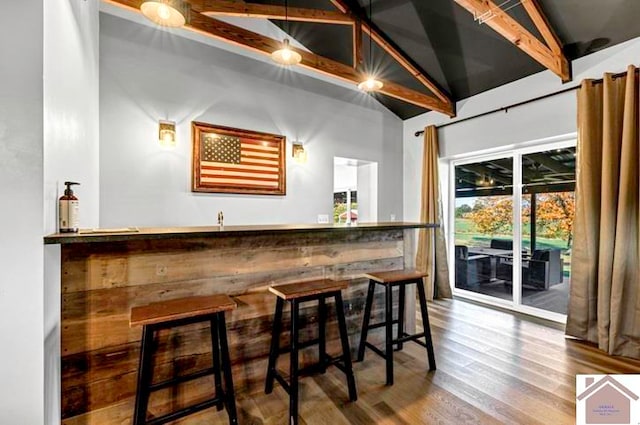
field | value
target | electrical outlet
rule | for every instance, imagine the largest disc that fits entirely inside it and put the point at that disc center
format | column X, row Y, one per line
column 323, row 218
column 161, row 270
column 392, row 217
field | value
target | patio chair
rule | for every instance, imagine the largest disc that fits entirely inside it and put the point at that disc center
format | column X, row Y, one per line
column 471, row 270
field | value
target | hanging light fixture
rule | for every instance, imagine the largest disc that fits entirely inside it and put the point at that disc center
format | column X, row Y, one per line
column 168, row 13
column 284, row 55
column 370, row 83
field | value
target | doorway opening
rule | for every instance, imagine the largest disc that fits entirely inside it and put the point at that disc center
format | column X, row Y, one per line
column 355, row 190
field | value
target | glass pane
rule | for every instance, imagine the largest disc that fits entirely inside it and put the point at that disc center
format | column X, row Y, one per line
column 345, row 207
column 484, row 227
column 548, row 205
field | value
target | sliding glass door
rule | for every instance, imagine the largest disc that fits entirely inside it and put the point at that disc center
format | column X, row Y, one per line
column 511, row 220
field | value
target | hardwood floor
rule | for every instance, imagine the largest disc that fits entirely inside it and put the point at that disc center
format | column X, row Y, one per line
column 493, row 368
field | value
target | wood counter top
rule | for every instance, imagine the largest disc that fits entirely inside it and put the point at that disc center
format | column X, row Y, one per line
column 145, row 233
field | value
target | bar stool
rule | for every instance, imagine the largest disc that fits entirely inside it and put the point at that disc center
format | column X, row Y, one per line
column 400, row 278
column 295, row 294
column 180, row 312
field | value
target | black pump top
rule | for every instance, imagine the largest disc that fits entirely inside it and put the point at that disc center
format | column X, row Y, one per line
column 68, row 191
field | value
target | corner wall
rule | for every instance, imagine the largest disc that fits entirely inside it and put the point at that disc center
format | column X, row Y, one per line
column 147, row 75
column 21, row 251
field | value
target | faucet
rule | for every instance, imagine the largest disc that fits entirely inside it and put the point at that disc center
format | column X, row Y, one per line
column 220, row 218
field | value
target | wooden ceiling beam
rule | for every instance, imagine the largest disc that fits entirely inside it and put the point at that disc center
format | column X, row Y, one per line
column 268, row 11
column 395, row 52
column 542, row 24
column 513, row 31
column 357, row 44
column 232, row 34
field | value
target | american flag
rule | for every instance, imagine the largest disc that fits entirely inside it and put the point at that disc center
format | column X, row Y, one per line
column 239, row 162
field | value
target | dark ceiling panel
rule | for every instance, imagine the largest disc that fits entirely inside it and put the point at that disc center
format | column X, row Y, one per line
column 461, row 55
column 585, row 26
column 402, row 109
column 331, row 41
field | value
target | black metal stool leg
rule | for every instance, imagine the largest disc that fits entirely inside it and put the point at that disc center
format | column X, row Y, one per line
column 388, row 319
column 217, row 370
column 401, row 304
column 322, row 334
column 275, row 346
column 367, row 318
column 293, row 385
column 425, row 324
column 145, row 373
column 229, row 393
column 346, row 351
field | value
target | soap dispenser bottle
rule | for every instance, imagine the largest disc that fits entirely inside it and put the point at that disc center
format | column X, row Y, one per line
column 68, row 209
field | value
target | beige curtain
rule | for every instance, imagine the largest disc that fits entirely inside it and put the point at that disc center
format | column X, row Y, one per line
column 432, row 252
column 604, row 306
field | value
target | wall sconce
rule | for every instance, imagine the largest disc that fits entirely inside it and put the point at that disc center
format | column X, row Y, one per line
column 167, row 134
column 298, row 153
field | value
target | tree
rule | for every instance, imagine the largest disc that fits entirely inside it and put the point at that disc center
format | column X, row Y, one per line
column 554, row 215
column 462, row 210
column 492, row 214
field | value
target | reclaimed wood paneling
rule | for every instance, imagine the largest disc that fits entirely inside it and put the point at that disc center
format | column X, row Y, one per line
column 493, row 368
column 102, row 281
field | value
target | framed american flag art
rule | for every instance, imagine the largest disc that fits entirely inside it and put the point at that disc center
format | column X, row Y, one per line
column 230, row 160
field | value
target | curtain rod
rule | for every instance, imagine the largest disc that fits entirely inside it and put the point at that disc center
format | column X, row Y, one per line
column 506, row 108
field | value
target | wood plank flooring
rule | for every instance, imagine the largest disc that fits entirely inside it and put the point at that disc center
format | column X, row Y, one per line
column 493, row 368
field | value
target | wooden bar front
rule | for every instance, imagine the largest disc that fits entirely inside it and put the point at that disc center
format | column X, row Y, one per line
column 103, row 276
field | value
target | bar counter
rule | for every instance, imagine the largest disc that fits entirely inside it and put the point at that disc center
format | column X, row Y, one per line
column 105, row 274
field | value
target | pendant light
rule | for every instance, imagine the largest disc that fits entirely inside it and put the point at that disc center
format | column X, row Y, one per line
column 168, row 13
column 284, row 55
column 370, row 83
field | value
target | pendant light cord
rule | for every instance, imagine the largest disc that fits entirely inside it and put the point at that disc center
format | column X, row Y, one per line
column 286, row 14
column 370, row 37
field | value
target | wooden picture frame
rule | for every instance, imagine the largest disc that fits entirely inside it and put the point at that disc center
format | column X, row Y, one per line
column 232, row 160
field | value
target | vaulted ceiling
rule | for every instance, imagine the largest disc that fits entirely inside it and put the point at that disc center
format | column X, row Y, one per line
column 441, row 39
column 466, row 58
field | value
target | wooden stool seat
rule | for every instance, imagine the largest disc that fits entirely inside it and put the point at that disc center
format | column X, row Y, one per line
column 389, row 279
column 179, row 312
column 292, row 291
column 296, row 294
column 183, row 308
column 395, row 276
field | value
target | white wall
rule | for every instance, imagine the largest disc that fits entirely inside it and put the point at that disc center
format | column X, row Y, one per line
column 367, row 193
column 71, row 120
column 345, row 177
column 71, row 131
column 147, row 74
column 540, row 120
column 21, row 212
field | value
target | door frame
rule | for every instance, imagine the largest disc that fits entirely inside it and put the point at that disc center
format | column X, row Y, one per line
column 514, row 152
